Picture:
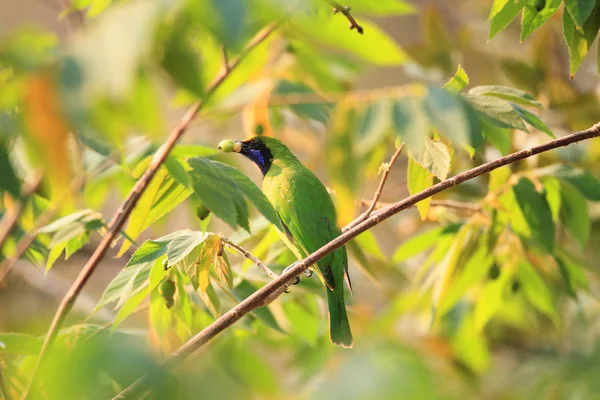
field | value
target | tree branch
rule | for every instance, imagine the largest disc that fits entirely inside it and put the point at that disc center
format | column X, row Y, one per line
column 126, row 208
column 250, row 257
column 338, row 8
column 9, row 220
column 387, row 167
column 456, row 205
column 258, row 298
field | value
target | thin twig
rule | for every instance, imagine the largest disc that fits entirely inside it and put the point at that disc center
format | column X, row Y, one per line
column 263, row 295
column 453, row 204
column 10, row 219
column 387, row 167
column 338, row 8
column 250, row 257
column 128, row 205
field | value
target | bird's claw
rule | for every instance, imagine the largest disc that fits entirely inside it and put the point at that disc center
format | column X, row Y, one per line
column 308, row 273
column 296, row 279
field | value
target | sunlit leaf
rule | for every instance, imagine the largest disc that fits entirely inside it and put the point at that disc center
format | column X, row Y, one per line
column 419, row 179
column 220, row 187
column 536, row 290
column 534, row 18
column 533, row 120
column 579, row 40
column 458, row 82
column 435, row 158
column 181, row 246
column 500, row 111
column 507, row 93
column 368, row 243
column 574, row 213
column 580, row 10
column 19, row 343
column 419, row 243
column 490, row 300
column 503, row 12
column 448, row 113
column 583, row 180
column 536, row 211
column 317, row 111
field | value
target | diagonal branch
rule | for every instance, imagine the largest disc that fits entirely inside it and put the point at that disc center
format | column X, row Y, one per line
column 387, row 167
column 261, row 296
column 338, row 8
column 453, row 204
column 126, row 208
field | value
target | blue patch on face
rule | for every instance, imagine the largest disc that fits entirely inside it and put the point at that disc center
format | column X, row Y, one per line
column 257, row 157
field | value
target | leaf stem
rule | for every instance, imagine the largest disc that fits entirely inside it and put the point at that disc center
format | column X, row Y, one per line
column 250, row 257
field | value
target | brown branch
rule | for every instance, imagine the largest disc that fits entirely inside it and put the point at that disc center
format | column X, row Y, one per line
column 338, row 8
column 261, row 296
column 453, row 204
column 10, row 219
column 250, row 257
column 128, row 205
column 387, row 167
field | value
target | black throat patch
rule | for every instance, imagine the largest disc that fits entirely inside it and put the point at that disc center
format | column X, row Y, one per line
column 259, row 153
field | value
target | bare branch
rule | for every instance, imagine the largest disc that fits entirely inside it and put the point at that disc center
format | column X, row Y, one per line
column 387, row 167
column 338, row 8
column 250, row 257
column 453, row 204
column 128, row 205
column 261, row 296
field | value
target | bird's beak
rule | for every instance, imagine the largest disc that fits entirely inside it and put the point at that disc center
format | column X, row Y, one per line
column 229, row 146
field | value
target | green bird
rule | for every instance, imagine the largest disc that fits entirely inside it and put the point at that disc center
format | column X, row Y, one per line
column 307, row 216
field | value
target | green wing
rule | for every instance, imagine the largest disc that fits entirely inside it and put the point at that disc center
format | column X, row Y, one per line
column 308, row 215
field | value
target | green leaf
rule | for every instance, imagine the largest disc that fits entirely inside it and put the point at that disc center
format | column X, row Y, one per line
column 507, row 93
column 580, row 10
column 180, row 62
column 419, row 243
column 503, row 12
column 219, row 186
column 552, row 190
column 533, row 120
column 161, row 317
column 583, row 180
column 8, row 179
column 304, row 324
column 536, row 211
column 149, row 251
column 374, row 46
column 177, row 171
column 490, row 300
column 64, row 221
column 499, row 137
column 410, row 122
column 368, row 243
column 419, row 179
column 447, row 112
column 181, row 246
column 245, row 289
column 574, row 213
column 128, row 282
column 435, row 158
column 536, row 290
column 374, row 126
column 533, row 18
column 317, row 111
column 161, row 196
column 19, row 344
column 459, row 81
column 578, row 39
column 54, row 254
column 500, row 111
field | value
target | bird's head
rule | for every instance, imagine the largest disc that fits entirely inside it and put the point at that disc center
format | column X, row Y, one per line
column 262, row 150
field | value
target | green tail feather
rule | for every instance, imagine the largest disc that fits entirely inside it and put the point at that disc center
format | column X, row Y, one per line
column 339, row 327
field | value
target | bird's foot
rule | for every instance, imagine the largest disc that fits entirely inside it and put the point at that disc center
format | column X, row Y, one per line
column 308, row 272
column 296, row 279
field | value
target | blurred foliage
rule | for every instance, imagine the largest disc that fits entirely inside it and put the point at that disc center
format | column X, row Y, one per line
column 490, row 295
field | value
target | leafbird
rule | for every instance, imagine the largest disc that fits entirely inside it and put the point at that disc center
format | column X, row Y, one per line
column 307, row 216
